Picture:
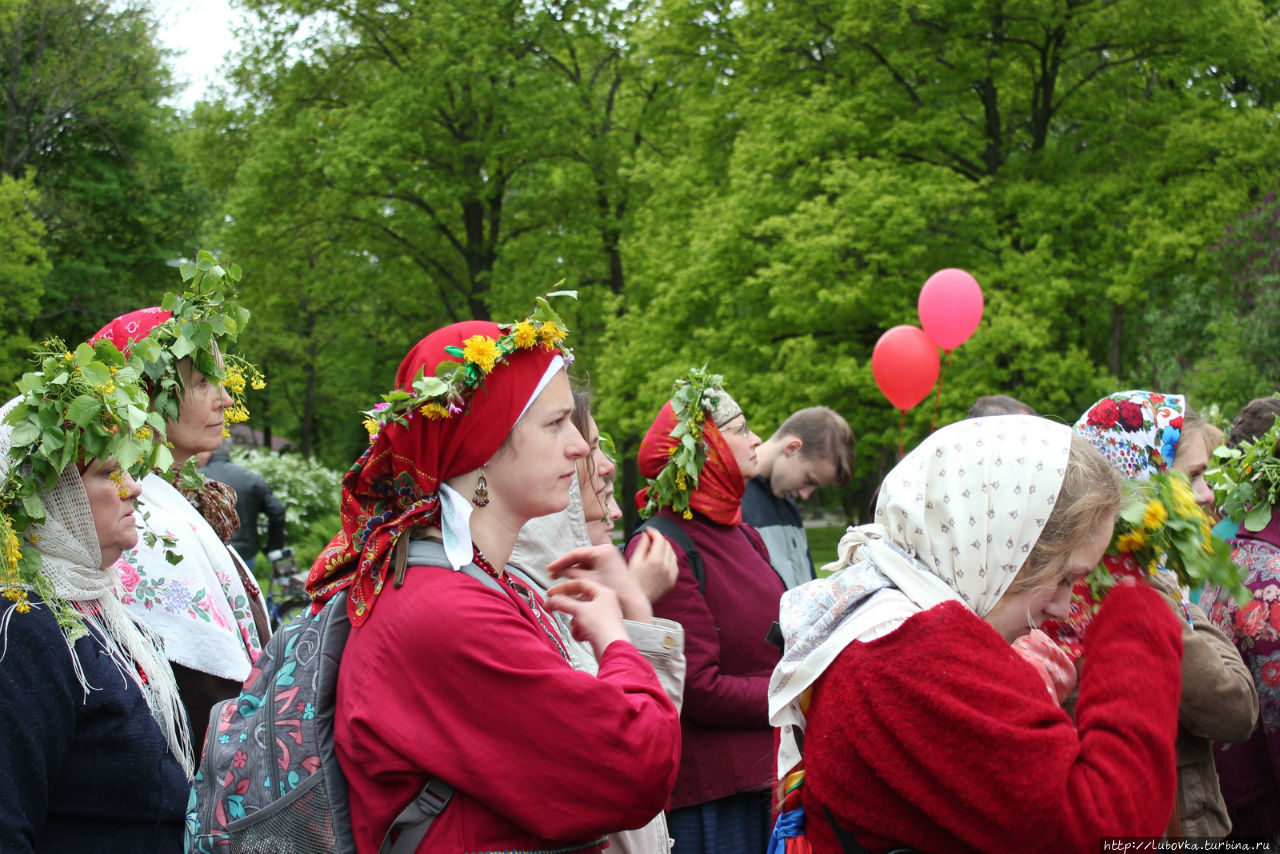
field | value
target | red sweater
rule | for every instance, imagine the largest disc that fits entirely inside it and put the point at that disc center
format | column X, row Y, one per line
column 940, row 737
column 451, row 679
column 727, row 743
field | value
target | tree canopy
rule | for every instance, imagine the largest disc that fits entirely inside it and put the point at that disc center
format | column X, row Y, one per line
column 759, row 187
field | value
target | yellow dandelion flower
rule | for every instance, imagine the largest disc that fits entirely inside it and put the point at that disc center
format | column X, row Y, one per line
column 434, row 411
column 525, row 335
column 371, row 426
column 550, row 333
column 1132, row 541
column 481, row 351
column 1184, row 500
column 1154, row 515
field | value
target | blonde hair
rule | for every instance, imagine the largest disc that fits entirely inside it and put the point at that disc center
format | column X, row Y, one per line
column 1088, row 499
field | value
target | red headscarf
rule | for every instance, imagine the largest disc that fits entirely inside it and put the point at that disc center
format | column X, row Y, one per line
column 718, row 495
column 134, row 326
column 394, row 485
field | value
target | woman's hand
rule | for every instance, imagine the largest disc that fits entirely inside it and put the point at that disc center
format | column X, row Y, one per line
column 653, row 565
column 605, row 566
column 597, row 617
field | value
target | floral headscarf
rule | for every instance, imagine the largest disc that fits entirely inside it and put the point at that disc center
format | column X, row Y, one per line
column 956, row 520
column 134, row 326
column 718, row 495
column 398, row 481
column 1138, row 432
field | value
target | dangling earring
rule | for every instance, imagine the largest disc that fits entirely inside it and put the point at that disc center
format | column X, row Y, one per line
column 480, row 497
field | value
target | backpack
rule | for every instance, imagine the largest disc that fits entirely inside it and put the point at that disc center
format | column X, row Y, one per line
column 673, row 531
column 269, row 779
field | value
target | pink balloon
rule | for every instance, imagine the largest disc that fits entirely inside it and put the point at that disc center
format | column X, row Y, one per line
column 950, row 307
column 905, row 365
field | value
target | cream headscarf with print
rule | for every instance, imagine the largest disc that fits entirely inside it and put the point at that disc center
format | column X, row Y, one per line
column 956, row 520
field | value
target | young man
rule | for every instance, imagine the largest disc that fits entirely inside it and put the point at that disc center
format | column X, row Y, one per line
column 812, row 449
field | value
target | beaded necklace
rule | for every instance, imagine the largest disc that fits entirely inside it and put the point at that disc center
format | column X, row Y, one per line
column 522, row 589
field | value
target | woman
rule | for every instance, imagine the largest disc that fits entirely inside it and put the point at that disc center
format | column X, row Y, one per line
column 1250, row 772
column 1141, row 433
column 652, row 567
column 444, row 677
column 924, row 728
column 721, row 798
column 207, row 607
column 93, row 740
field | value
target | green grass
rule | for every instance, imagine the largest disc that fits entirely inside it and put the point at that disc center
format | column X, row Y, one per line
column 823, row 542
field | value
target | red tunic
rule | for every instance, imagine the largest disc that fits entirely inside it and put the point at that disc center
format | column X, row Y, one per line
column 728, row 743
column 451, row 679
column 940, row 737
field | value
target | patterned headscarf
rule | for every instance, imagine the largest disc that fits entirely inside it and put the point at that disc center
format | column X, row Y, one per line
column 134, row 326
column 396, row 482
column 1138, row 432
column 718, row 495
column 956, row 520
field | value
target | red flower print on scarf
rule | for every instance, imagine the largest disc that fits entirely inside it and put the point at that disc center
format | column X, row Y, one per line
column 1271, row 673
column 1251, row 617
column 1104, row 413
column 1130, row 415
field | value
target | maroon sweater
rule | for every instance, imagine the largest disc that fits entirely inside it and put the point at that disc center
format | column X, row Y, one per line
column 726, row 741
column 939, row 737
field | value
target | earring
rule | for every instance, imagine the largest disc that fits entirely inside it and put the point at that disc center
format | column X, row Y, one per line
column 480, row 497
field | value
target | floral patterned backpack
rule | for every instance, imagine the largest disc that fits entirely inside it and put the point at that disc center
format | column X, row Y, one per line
column 269, row 779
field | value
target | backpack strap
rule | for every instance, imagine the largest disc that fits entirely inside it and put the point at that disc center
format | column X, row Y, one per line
column 848, row 843
column 431, row 553
column 415, row 820
column 675, row 532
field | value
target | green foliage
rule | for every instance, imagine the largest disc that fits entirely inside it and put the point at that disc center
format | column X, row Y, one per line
column 1161, row 527
column 81, row 118
column 24, row 265
column 1246, row 480
column 693, row 398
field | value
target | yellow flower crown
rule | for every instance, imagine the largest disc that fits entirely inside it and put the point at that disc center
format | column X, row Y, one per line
column 448, row 392
column 1161, row 527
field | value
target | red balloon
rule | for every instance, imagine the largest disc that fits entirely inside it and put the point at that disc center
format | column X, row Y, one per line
column 905, row 364
column 950, row 307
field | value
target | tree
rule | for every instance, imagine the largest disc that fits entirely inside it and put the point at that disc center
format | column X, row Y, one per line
column 1074, row 157
column 23, row 266
column 82, row 82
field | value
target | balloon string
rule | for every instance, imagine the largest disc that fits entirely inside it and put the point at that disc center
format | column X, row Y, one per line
column 937, row 401
column 902, row 428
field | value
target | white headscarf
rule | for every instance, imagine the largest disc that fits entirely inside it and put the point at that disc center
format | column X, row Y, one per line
column 956, row 520
column 71, row 561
